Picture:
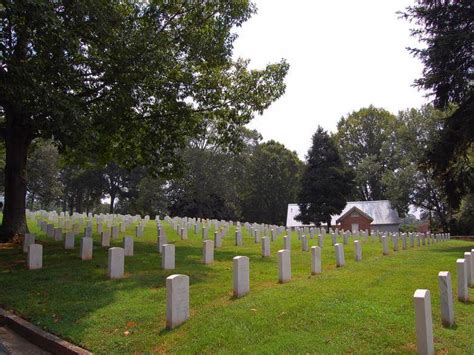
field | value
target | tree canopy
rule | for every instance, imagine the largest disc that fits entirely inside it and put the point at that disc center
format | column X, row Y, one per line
column 446, row 28
column 273, row 181
column 128, row 82
column 326, row 183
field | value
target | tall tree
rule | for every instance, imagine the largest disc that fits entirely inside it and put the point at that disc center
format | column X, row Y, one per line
column 447, row 30
column 83, row 188
column 44, row 186
column 214, row 178
column 417, row 129
column 273, row 181
column 325, row 184
column 368, row 144
column 121, row 81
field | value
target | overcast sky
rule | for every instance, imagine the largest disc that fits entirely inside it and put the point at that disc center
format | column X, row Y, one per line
column 343, row 55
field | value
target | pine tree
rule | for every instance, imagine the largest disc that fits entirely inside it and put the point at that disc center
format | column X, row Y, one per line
column 326, row 183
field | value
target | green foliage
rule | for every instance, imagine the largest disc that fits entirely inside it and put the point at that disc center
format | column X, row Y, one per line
column 417, row 129
column 326, row 183
column 451, row 156
column 129, row 82
column 446, row 28
column 144, row 195
column 44, row 187
column 367, row 140
column 209, row 187
column 465, row 216
column 273, row 181
column 83, row 188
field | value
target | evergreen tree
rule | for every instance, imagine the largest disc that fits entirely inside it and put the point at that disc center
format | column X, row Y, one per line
column 326, row 183
column 446, row 30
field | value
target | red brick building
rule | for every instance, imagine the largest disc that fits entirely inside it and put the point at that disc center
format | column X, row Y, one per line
column 354, row 220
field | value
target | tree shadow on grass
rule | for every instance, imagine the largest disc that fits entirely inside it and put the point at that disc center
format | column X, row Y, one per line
column 63, row 295
column 457, row 250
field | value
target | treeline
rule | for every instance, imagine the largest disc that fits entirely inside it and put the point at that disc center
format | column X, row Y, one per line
column 382, row 156
column 255, row 183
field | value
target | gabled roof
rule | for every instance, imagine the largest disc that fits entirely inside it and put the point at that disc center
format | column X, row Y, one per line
column 381, row 212
column 354, row 209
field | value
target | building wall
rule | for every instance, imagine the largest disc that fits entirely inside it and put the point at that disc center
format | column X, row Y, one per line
column 363, row 222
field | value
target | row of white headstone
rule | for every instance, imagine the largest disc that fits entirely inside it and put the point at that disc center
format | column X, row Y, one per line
column 422, row 300
column 35, row 259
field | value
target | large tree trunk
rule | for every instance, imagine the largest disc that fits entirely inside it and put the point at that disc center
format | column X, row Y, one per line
column 17, row 142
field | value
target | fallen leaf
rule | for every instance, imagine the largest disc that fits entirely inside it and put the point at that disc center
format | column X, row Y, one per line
column 131, row 324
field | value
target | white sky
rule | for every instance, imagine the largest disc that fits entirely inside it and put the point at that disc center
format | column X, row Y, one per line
column 343, row 55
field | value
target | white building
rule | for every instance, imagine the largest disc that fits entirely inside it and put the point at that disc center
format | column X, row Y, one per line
column 385, row 218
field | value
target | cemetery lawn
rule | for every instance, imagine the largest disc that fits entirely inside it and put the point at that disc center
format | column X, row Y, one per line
column 364, row 307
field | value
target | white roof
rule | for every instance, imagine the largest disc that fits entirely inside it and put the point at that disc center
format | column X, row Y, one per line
column 381, row 211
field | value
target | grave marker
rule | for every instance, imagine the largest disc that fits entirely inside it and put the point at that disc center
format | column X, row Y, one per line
column 424, row 322
column 177, row 300
column 168, row 258
column 128, row 246
column 35, row 256
column 315, row 260
column 358, row 250
column 446, row 298
column 86, row 248
column 284, row 266
column 241, row 275
column 116, row 263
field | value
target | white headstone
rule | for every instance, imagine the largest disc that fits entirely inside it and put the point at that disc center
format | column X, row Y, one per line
column 339, row 249
column 86, row 248
column 217, row 240
column 69, row 240
column 287, row 242
column 304, row 243
column 462, row 280
column 468, row 259
column 446, row 298
column 238, row 238
column 177, row 300
column 208, row 252
column 241, row 275
column 168, row 257
column 35, row 256
column 58, row 234
column 105, row 239
column 424, row 322
column 385, row 245
column 315, row 260
column 128, row 246
column 358, row 250
column 265, row 247
column 471, row 281
column 284, row 265
column 320, row 240
column 116, row 263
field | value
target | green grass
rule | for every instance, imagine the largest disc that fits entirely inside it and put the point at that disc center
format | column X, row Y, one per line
column 364, row 307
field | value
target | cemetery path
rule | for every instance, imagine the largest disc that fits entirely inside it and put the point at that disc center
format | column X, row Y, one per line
column 13, row 344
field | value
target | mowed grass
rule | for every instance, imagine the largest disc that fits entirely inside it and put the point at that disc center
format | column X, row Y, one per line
column 364, row 307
